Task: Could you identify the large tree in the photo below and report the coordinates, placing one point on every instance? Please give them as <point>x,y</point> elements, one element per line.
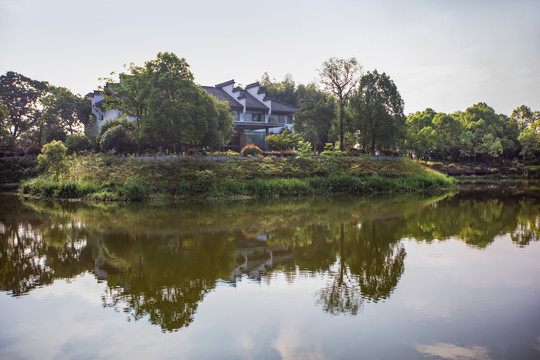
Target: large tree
<point>22,96</point>
<point>318,113</point>
<point>129,94</point>
<point>66,110</point>
<point>525,117</point>
<point>284,90</point>
<point>376,110</point>
<point>168,107</point>
<point>340,78</point>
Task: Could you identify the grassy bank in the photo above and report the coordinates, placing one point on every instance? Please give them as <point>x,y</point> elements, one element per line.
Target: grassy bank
<point>99,177</point>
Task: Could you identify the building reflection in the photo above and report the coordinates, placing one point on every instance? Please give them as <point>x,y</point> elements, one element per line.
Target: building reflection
<point>159,262</point>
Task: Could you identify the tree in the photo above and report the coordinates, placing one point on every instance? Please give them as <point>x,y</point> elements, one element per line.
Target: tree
<point>376,110</point>
<point>129,94</point>
<point>318,113</point>
<point>53,158</point>
<point>530,144</point>
<point>118,135</point>
<point>449,130</point>
<point>525,117</point>
<point>66,110</point>
<point>283,91</point>
<point>340,77</point>
<point>22,96</point>
<point>77,142</point>
<point>4,134</point>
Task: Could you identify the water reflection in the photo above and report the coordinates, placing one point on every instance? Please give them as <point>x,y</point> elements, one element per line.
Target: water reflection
<point>160,260</point>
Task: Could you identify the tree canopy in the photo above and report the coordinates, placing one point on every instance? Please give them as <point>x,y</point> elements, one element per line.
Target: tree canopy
<point>340,77</point>
<point>23,97</point>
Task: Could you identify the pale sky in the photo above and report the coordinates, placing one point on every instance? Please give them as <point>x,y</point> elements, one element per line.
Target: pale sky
<point>442,54</point>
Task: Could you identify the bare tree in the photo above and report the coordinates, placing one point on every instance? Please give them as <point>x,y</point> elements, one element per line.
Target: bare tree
<point>340,77</point>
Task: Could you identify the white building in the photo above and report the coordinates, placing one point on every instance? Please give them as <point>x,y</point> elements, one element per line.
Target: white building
<point>255,114</point>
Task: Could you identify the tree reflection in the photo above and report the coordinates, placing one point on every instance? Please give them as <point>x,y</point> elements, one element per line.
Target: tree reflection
<point>159,261</point>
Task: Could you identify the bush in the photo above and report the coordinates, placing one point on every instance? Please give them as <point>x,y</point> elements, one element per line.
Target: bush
<point>53,158</point>
<point>32,150</point>
<point>192,152</point>
<point>77,143</point>
<point>133,191</point>
<point>118,139</point>
<point>251,150</point>
<point>284,141</point>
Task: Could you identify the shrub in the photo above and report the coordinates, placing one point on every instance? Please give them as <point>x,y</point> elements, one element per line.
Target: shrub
<point>33,150</point>
<point>251,150</point>
<point>304,149</point>
<point>53,158</point>
<point>133,191</point>
<point>331,150</point>
<point>118,139</point>
<point>192,152</point>
<point>284,141</point>
<point>77,143</point>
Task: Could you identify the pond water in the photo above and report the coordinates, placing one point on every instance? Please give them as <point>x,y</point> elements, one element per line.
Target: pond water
<point>446,276</point>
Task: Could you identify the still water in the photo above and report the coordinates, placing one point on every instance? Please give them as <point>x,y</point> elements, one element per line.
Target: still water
<point>446,276</point>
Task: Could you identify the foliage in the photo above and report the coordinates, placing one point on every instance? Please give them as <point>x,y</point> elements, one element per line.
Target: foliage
<point>530,144</point>
<point>119,140</point>
<point>53,158</point>
<point>133,191</point>
<point>22,96</point>
<point>129,94</point>
<point>68,112</point>
<point>331,150</point>
<point>526,118</point>
<point>118,135</point>
<point>286,140</point>
<point>251,150</point>
<point>77,143</point>
<point>304,149</point>
<point>32,150</point>
<point>340,77</point>
<point>318,113</point>
<point>376,111</point>
<point>284,90</point>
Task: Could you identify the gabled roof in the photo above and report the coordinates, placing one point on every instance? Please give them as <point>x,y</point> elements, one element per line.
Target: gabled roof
<point>230,82</point>
<point>249,86</point>
<point>251,102</point>
<point>279,107</point>
<point>219,93</point>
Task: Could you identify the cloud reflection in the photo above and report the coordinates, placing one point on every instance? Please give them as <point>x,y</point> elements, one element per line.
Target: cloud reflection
<point>454,352</point>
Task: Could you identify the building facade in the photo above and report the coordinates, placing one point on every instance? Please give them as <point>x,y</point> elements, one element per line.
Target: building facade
<point>256,115</point>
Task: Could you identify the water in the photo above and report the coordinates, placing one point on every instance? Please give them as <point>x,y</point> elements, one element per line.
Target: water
<point>446,276</point>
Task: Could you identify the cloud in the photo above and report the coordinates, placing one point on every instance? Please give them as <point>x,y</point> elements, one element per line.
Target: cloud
<point>454,352</point>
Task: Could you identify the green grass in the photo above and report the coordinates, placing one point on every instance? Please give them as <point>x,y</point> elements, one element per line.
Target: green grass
<point>103,178</point>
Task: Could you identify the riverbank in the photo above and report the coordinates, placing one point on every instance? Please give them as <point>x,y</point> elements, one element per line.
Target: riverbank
<point>110,178</point>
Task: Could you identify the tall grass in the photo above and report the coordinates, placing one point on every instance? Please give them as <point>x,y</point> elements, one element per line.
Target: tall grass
<point>112,178</point>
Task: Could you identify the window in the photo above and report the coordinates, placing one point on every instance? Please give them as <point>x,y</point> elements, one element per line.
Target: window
<point>256,116</point>
<point>280,119</point>
<point>236,115</point>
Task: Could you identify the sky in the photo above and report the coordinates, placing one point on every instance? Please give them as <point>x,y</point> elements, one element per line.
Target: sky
<point>443,54</point>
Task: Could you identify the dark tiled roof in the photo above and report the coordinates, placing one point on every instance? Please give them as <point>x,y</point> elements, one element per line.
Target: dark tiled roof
<point>249,86</point>
<point>262,90</point>
<point>279,107</point>
<point>252,103</point>
<point>222,95</point>
<point>230,82</point>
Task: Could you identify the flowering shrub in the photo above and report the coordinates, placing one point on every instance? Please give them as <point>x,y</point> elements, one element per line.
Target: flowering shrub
<point>192,152</point>
<point>251,150</point>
